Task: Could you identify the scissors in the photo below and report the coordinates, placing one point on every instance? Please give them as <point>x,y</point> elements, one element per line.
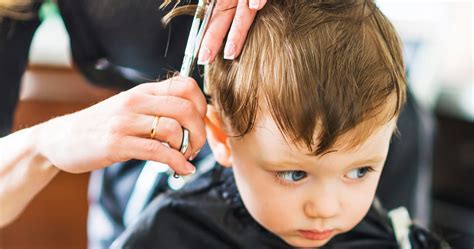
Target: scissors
<point>150,174</point>
<point>196,35</point>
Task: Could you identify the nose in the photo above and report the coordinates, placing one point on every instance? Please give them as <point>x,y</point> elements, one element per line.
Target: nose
<point>324,204</point>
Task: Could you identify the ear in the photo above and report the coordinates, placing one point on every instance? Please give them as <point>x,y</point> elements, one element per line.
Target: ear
<point>217,137</point>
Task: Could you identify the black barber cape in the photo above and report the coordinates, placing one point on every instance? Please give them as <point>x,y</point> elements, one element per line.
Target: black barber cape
<point>208,213</point>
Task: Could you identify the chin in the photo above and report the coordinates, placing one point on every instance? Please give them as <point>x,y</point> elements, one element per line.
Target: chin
<point>299,242</point>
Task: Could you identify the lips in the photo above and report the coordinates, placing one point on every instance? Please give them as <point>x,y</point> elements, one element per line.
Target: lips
<point>315,234</point>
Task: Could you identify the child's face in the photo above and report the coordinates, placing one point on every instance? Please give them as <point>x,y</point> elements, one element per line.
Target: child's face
<point>305,200</point>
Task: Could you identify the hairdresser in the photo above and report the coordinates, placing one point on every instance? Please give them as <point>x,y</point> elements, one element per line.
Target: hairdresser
<point>122,44</point>
<point>131,125</point>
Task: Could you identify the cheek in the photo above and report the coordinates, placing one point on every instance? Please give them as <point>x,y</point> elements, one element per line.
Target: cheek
<point>358,202</point>
<point>263,198</point>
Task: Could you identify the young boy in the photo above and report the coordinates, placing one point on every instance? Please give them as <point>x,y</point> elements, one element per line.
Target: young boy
<point>302,122</point>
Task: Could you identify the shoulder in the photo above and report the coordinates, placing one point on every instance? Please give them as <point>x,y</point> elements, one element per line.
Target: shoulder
<point>206,213</point>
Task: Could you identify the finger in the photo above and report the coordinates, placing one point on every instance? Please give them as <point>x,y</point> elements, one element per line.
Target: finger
<point>243,19</point>
<point>257,4</point>
<point>182,110</point>
<point>217,29</point>
<point>179,86</point>
<point>170,131</point>
<point>148,149</point>
<point>167,130</point>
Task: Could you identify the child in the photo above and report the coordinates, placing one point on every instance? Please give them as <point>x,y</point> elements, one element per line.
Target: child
<point>301,123</point>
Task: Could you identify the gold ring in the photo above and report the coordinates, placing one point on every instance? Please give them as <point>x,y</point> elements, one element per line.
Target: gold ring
<point>153,127</point>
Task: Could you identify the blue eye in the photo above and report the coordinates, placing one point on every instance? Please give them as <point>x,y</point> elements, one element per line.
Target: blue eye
<point>359,172</point>
<point>292,175</point>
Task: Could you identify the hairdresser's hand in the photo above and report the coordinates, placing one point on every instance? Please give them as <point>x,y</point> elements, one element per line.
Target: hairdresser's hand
<point>118,129</point>
<point>235,17</point>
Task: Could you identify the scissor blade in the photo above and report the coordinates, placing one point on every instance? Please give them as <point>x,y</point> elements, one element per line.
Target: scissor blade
<point>195,37</point>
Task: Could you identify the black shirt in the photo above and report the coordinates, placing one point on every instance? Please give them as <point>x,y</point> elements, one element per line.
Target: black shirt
<point>209,213</point>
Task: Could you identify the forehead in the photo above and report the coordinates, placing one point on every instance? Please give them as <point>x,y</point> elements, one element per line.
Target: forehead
<point>266,143</point>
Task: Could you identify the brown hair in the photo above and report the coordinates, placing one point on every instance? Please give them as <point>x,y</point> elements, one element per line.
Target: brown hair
<point>331,65</point>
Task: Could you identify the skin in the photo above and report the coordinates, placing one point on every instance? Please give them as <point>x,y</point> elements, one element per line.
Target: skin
<point>114,130</point>
<point>232,18</point>
<point>333,194</point>
<point>118,129</point>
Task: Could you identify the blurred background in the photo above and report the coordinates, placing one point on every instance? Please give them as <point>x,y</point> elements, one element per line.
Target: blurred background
<point>438,47</point>
<point>438,40</point>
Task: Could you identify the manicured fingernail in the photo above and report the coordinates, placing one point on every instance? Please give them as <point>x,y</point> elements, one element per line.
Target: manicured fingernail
<point>190,168</point>
<point>229,51</point>
<point>197,152</point>
<point>254,4</point>
<point>194,156</point>
<point>204,56</point>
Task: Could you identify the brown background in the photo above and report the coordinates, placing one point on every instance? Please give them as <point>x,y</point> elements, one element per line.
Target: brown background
<point>57,217</point>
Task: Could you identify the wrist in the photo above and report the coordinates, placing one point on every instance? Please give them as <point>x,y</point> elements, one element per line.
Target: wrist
<point>24,172</point>
<point>38,147</point>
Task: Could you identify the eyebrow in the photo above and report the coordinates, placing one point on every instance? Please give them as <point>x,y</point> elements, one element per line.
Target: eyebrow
<point>366,162</point>
<point>361,162</point>
<point>282,164</point>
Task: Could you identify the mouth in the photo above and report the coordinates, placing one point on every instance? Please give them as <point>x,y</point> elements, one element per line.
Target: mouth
<point>316,234</point>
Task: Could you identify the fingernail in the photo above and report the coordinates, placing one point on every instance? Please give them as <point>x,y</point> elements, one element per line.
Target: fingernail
<point>196,153</point>
<point>190,168</point>
<point>229,51</point>
<point>204,56</point>
<point>194,156</point>
<point>254,4</point>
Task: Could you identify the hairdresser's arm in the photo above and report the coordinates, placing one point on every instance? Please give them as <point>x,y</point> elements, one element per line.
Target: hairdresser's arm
<point>115,130</point>
<point>233,17</point>
<point>23,173</point>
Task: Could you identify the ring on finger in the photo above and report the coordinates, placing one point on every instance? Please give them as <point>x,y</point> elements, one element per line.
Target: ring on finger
<point>153,127</point>
<point>184,146</point>
<point>185,142</point>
